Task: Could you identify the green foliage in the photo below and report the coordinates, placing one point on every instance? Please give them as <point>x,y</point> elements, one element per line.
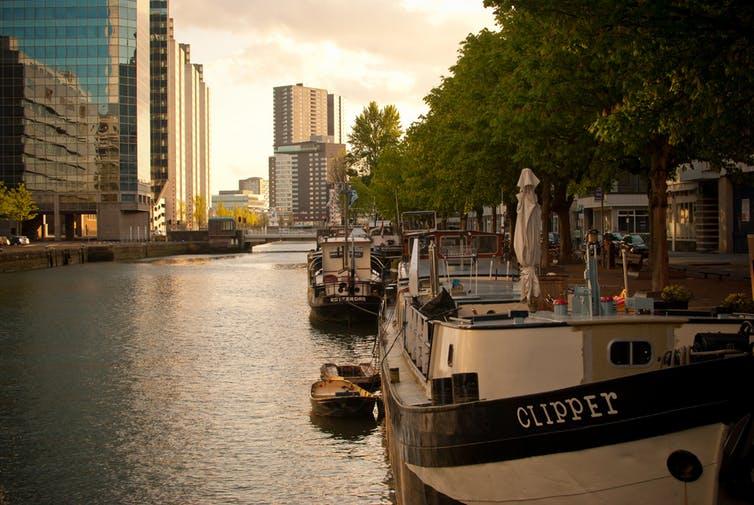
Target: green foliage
<point>676,293</point>
<point>673,83</point>
<point>373,131</point>
<point>738,302</point>
<point>244,216</point>
<point>3,201</point>
<point>17,204</point>
<point>221,211</point>
<point>200,211</point>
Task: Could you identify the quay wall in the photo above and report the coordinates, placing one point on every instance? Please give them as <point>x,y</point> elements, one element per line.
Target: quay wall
<point>20,258</point>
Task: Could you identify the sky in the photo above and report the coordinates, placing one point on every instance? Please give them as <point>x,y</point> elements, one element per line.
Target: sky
<point>389,51</point>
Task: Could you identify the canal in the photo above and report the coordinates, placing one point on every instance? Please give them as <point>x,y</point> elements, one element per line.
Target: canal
<point>183,380</point>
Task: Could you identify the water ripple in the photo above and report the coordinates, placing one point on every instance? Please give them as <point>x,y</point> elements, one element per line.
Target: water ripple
<point>176,382</point>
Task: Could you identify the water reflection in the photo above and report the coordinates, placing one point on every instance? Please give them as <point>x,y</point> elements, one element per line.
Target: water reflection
<point>347,429</point>
<point>175,383</point>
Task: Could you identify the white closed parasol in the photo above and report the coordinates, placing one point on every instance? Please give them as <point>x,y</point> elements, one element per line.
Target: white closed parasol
<point>526,240</point>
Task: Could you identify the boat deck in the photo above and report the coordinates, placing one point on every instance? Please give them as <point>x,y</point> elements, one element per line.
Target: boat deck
<point>410,390</point>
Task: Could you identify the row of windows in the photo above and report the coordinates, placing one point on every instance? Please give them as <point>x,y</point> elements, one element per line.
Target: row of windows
<point>11,12</point>
<point>40,35</point>
<point>57,56</point>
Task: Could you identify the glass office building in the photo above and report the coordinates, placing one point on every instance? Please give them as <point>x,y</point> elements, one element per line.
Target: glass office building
<point>159,22</point>
<point>75,112</point>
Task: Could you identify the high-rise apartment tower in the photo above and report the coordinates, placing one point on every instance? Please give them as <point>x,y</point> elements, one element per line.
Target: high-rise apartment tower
<point>302,114</point>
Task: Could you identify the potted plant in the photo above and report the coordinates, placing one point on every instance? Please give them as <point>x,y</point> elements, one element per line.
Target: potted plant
<point>674,297</point>
<point>736,302</point>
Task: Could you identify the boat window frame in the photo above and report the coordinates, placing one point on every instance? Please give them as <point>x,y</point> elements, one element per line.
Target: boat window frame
<point>631,363</point>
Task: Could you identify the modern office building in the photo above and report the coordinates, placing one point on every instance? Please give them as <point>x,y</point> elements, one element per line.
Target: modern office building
<point>196,129</point>
<point>335,119</point>
<point>161,33</point>
<point>180,125</point>
<point>299,188</point>
<point>74,114</point>
<point>256,185</point>
<point>234,199</point>
<point>251,194</point>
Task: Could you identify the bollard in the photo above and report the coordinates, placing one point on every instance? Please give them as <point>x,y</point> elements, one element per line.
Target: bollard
<point>442,391</point>
<point>465,387</point>
<point>750,239</point>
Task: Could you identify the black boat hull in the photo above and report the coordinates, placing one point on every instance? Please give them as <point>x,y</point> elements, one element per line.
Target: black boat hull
<point>691,406</point>
<point>349,406</point>
<point>363,308</point>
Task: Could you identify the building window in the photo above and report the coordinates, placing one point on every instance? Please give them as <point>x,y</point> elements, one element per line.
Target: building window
<point>633,221</point>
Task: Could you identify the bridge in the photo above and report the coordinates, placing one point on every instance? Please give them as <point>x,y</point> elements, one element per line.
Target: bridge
<point>257,235</point>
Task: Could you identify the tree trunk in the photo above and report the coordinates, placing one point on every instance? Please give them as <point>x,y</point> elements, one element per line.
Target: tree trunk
<point>658,208</point>
<point>494,220</point>
<point>561,204</point>
<point>546,215</point>
<point>480,218</point>
<point>564,229</point>
<point>511,212</point>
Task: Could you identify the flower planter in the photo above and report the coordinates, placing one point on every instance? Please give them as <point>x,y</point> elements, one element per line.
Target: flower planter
<point>671,305</point>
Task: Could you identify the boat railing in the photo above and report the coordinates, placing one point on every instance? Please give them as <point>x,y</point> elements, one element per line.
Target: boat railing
<point>417,338</point>
<point>360,288</point>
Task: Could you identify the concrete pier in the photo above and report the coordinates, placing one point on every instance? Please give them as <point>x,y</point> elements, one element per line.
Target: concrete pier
<point>21,258</point>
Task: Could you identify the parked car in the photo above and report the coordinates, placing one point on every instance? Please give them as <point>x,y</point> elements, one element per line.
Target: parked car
<point>19,240</point>
<point>553,243</point>
<point>4,241</point>
<point>636,244</point>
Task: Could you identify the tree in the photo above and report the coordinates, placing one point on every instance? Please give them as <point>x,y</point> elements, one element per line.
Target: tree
<point>17,204</point>
<point>676,80</point>
<point>373,130</point>
<point>221,211</point>
<point>3,201</point>
<point>200,211</point>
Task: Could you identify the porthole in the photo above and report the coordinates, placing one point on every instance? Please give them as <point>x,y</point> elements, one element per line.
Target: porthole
<point>630,352</point>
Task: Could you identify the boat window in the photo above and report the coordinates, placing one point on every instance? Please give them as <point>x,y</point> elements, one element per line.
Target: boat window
<point>630,353</point>
<point>450,355</point>
<point>485,244</point>
<point>451,245</point>
<point>641,353</point>
<point>337,253</point>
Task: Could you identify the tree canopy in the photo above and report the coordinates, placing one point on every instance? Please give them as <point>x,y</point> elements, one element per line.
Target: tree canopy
<point>374,130</point>
<point>17,204</point>
<point>580,92</point>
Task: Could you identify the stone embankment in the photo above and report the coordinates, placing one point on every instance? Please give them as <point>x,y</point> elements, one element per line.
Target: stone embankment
<point>21,258</point>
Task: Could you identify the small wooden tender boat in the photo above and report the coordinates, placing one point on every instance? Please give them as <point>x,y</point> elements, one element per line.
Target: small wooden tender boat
<point>363,375</point>
<point>340,398</point>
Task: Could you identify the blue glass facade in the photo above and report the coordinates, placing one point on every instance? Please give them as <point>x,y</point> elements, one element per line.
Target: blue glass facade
<point>74,102</point>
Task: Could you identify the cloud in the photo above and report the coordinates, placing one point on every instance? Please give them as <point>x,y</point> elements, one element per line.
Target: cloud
<point>390,51</point>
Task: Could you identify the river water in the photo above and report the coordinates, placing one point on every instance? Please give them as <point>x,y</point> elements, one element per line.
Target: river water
<point>179,381</point>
